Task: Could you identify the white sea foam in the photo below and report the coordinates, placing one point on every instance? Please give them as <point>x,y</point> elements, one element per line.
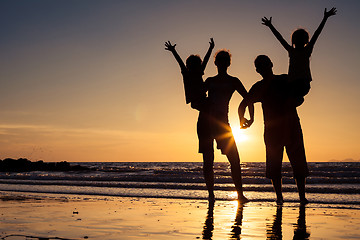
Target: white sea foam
<point>329,183</point>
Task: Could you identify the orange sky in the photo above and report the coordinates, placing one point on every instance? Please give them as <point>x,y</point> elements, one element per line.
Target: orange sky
<point>91,81</point>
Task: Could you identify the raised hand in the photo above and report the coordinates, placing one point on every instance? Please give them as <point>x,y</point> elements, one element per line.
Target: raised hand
<point>212,44</point>
<point>329,13</point>
<point>169,46</point>
<point>266,21</point>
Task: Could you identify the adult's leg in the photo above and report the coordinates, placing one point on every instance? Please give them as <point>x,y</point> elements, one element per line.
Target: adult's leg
<point>234,159</point>
<point>296,153</point>
<point>208,171</point>
<point>300,183</point>
<point>277,184</point>
<point>274,155</point>
<point>206,147</point>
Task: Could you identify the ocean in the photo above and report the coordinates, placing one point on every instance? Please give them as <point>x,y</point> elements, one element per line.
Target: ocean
<point>330,184</point>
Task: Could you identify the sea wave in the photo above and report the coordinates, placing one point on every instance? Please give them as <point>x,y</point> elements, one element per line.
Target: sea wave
<point>328,183</point>
<point>316,188</point>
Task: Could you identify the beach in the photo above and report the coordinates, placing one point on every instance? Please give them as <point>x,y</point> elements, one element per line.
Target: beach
<point>150,200</point>
<point>54,216</point>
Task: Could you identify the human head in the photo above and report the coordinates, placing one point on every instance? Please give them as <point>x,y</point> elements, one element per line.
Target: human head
<point>300,37</point>
<point>193,63</point>
<point>263,64</point>
<point>223,58</point>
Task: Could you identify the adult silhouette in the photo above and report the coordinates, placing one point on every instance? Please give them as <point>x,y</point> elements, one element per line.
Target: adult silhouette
<point>282,126</point>
<point>220,90</point>
<point>195,93</point>
<point>213,123</point>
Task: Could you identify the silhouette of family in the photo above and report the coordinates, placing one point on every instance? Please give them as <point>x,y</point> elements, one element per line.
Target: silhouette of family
<point>279,95</point>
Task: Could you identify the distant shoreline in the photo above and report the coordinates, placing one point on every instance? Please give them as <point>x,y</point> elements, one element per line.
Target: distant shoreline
<point>25,165</point>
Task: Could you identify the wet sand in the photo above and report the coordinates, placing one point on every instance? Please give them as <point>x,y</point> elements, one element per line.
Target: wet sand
<point>37,216</point>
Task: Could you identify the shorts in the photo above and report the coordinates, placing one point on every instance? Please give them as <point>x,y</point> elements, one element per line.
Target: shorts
<point>289,137</point>
<point>209,129</point>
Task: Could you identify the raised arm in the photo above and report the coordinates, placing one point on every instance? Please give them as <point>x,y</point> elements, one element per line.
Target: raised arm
<point>267,22</point>
<point>327,14</point>
<point>171,48</point>
<point>208,54</point>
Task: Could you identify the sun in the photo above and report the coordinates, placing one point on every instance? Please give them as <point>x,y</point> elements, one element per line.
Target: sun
<point>239,134</point>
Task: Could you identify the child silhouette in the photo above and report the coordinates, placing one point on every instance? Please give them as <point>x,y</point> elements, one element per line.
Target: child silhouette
<point>299,55</point>
<point>195,92</point>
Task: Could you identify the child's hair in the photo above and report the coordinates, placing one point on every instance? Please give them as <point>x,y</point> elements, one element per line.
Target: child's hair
<point>223,57</point>
<point>262,62</point>
<point>193,62</point>
<point>300,36</point>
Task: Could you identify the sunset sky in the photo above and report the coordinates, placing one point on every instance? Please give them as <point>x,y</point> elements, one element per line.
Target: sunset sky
<point>91,81</point>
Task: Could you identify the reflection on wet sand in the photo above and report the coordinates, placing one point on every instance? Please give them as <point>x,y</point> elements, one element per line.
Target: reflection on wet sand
<point>300,231</point>
<point>277,228</point>
<point>209,223</point>
<point>236,228</point>
<point>274,230</point>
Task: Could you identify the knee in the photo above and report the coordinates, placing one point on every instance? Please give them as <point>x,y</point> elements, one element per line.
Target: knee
<point>208,168</point>
<point>208,157</point>
<point>276,180</point>
<point>233,156</point>
<point>235,165</point>
<point>300,179</point>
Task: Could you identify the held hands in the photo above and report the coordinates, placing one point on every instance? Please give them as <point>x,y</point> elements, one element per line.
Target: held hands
<point>169,47</point>
<point>245,123</point>
<point>212,44</point>
<point>329,13</point>
<point>266,21</point>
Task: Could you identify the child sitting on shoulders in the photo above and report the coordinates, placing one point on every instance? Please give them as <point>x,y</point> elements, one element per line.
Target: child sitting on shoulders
<point>299,55</point>
<point>192,72</point>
